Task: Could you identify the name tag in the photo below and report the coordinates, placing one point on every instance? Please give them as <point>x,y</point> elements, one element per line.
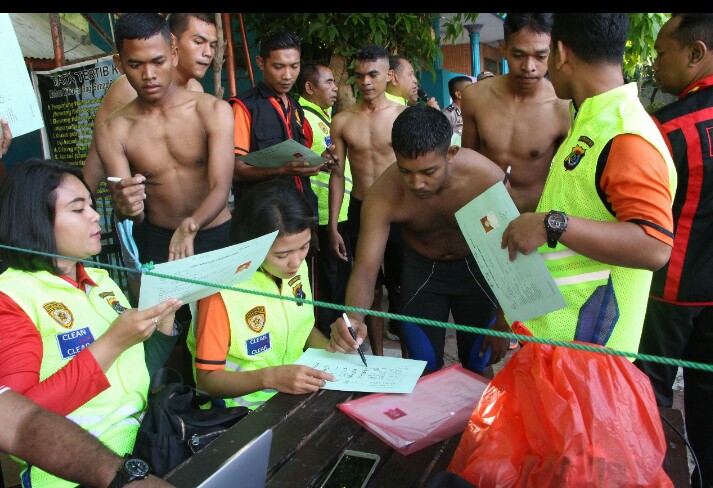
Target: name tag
<point>258,344</point>
<point>72,342</point>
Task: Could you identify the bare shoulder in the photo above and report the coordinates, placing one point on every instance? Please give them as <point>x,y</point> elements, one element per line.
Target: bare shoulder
<point>558,106</point>
<point>121,116</point>
<point>195,85</point>
<point>207,104</point>
<point>468,162</point>
<point>118,95</point>
<point>479,93</point>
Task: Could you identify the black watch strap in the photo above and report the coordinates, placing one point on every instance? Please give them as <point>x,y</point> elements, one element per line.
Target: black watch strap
<point>131,469</point>
<point>555,224</point>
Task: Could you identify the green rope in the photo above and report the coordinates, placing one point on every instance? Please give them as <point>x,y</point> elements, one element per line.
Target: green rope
<point>146,269</point>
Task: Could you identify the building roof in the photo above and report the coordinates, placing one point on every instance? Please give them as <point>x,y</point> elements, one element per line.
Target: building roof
<point>34,35</point>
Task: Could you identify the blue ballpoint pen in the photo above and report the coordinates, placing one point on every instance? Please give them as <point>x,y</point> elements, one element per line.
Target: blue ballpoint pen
<point>351,331</point>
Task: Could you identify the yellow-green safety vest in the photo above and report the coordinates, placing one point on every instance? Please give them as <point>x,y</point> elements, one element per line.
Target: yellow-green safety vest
<point>605,303</point>
<point>68,320</point>
<point>320,121</point>
<point>264,331</point>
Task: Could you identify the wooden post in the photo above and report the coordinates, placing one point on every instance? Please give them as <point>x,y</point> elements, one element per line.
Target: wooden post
<point>57,41</point>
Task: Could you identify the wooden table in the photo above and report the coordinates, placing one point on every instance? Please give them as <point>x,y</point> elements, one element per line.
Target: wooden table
<point>309,434</point>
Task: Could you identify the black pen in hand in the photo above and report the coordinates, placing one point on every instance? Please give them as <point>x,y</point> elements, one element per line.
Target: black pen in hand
<point>351,331</point>
<point>507,175</point>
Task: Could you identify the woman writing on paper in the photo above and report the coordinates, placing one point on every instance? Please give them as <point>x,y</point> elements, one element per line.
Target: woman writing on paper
<point>69,342</point>
<point>244,345</point>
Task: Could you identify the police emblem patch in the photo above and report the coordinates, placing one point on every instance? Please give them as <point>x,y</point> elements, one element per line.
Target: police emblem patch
<point>575,157</point>
<point>299,293</point>
<point>113,302</point>
<point>60,313</point>
<point>323,127</point>
<point>255,318</point>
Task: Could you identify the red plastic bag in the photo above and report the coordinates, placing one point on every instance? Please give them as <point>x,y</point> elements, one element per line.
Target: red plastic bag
<point>556,416</point>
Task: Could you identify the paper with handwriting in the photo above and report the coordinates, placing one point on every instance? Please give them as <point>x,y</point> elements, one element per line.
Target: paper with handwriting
<point>18,103</point>
<point>524,287</point>
<point>383,374</point>
<point>228,266</point>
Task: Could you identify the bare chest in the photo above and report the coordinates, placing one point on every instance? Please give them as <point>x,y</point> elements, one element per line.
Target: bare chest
<point>519,134</point>
<point>173,138</point>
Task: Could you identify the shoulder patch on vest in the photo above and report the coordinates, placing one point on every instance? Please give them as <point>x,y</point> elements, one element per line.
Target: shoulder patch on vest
<point>577,153</point>
<point>255,318</point>
<point>60,312</point>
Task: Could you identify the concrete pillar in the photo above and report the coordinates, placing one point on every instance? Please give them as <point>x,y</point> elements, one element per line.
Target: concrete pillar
<point>438,62</point>
<point>474,32</point>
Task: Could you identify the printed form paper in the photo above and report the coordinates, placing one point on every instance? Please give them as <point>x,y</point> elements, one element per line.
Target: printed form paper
<point>384,374</point>
<point>279,154</point>
<point>524,287</point>
<point>227,266</point>
<point>18,103</point>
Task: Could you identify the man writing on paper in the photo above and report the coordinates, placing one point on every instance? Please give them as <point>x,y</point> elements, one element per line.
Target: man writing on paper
<point>180,137</point>
<point>429,182</point>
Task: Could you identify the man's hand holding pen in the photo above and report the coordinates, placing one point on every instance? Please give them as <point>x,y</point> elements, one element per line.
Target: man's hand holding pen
<point>128,195</point>
<point>341,340</point>
<point>332,160</point>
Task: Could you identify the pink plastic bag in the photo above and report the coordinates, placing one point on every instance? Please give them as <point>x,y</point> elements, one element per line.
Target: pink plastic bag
<point>438,408</point>
<point>556,416</point>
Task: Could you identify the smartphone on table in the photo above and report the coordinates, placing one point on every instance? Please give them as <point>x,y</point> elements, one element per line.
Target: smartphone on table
<point>353,470</point>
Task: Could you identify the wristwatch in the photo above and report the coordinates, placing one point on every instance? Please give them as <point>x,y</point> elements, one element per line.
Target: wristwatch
<point>131,469</point>
<point>555,225</point>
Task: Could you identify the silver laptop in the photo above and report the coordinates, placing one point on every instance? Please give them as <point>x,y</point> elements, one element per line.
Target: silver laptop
<point>246,468</point>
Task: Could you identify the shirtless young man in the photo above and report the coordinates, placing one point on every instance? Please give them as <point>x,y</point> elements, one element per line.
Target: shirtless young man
<point>422,191</point>
<point>363,133</point>
<point>181,139</point>
<point>516,119</point>
<point>195,37</point>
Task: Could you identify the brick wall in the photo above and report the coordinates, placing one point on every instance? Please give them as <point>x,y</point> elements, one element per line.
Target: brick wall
<point>457,58</point>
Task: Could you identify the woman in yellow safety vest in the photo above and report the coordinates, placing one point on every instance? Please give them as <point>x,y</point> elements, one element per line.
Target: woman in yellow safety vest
<point>244,345</point>
<point>70,342</point>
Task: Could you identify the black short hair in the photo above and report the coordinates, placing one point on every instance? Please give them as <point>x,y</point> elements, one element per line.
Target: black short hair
<point>594,37</point>
<point>140,25</point>
<point>277,40</point>
<point>395,62</point>
<point>454,81</point>
<point>694,27</point>
<point>28,201</point>
<point>371,52</point>
<point>178,22</point>
<point>308,72</point>
<point>420,130</point>
<point>537,22</point>
<point>269,206</point>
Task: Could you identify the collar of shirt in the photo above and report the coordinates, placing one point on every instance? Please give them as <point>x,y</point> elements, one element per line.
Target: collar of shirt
<point>83,279</point>
<point>697,85</point>
<point>267,92</point>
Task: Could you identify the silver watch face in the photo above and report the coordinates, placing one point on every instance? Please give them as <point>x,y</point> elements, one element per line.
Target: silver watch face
<point>136,467</point>
<point>556,222</point>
